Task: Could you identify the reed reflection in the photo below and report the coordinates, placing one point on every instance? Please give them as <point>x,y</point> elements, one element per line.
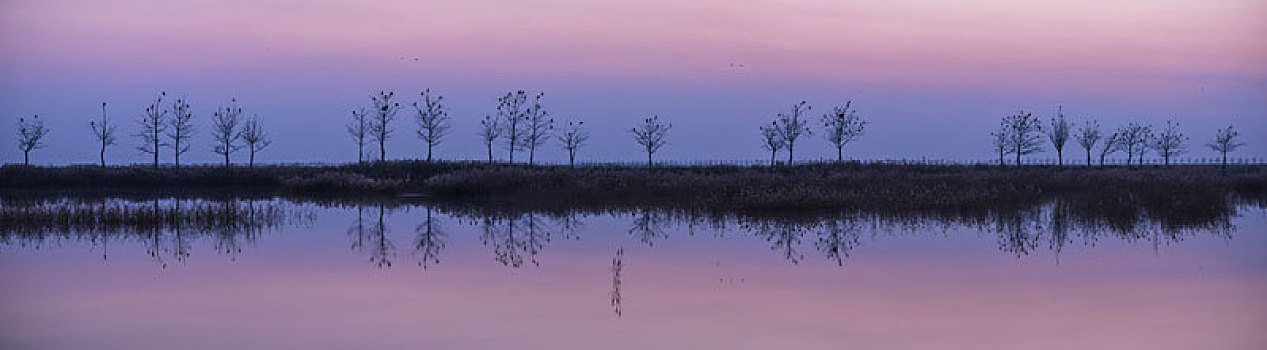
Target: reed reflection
<point>171,228</point>
<point>167,228</point>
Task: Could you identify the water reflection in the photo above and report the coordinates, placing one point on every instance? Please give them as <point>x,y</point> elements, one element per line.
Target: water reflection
<point>429,242</point>
<point>168,228</point>
<point>371,238</point>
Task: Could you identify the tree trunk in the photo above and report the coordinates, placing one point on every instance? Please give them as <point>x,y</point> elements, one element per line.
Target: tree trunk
<point>156,155</point>
<point>103,156</point>
<point>1018,157</point>
<point>26,157</point>
<point>772,154</point>
<point>531,151</point>
<point>251,163</point>
<point>490,153</point>
<point>1088,157</point>
<point>1102,159</point>
<point>226,155</point>
<point>789,154</point>
<point>1060,157</point>
<point>1167,159</point>
<point>382,150</point>
<point>428,152</point>
<point>648,159</point>
<point>511,159</point>
<point>1225,160</point>
<point>572,159</point>
<point>840,154</point>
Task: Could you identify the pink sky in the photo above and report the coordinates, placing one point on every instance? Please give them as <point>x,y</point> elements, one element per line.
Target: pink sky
<point>919,63</point>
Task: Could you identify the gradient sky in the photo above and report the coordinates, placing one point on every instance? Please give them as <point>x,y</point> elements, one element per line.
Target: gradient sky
<point>933,77</point>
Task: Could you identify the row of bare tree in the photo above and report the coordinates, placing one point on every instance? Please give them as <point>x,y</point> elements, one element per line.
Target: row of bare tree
<point>522,123</point>
<point>164,126</point>
<point>1024,134</point>
<point>842,125</point>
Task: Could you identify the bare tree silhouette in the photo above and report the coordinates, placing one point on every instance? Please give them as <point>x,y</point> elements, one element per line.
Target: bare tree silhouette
<point>538,126</point>
<point>1000,140</point>
<point>772,140</point>
<point>1225,142</point>
<point>380,125</point>
<point>574,136</point>
<point>1024,133</point>
<point>1169,142</point>
<point>651,135</point>
<point>104,131</point>
<point>153,125</point>
<point>511,112</point>
<point>254,137</point>
<point>359,129</point>
<point>1134,139</point>
<point>1113,143</point>
<point>432,119</point>
<point>180,127</point>
<point>1088,136</point>
<point>792,126</point>
<point>843,126</point>
<point>1058,134</point>
<point>490,131</point>
<point>31,135</point>
<point>224,129</point>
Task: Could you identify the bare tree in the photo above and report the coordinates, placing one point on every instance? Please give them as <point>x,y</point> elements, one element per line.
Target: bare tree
<point>1000,139</point>
<point>1225,142</point>
<point>1024,134</point>
<point>490,131</point>
<point>104,131</point>
<point>1058,134</point>
<point>1113,143</point>
<point>1169,142</point>
<point>511,111</point>
<point>772,140</point>
<point>843,126</point>
<point>224,129</point>
<point>1134,140</point>
<point>432,119</point>
<point>538,125</point>
<point>792,126</point>
<point>180,127</point>
<point>574,136</point>
<point>359,129</point>
<point>380,126</point>
<point>254,137</point>
<point>31,135</point>
<point>1088,136</point>
<point>651,135</point>
<point>153,125</point>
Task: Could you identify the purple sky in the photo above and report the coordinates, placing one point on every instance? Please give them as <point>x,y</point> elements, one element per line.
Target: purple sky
<point>932,77</point>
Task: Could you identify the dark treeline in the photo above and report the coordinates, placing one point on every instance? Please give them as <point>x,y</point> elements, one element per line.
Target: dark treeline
<point>522,123</point>
<point>518,234</point>
<point>823,187</point>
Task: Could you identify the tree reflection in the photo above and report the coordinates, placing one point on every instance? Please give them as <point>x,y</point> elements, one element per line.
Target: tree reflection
<point>515,237</point>
<point>649,226</point>
<point>429,241</point>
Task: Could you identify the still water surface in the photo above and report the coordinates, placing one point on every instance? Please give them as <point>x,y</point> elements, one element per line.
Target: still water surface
<point>412,276</point>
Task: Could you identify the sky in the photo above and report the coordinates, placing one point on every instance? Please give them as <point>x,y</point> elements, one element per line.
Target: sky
<point>932,77</point>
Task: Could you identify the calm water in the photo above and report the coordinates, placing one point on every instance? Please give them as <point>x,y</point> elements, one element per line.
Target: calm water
<point>310,276</point>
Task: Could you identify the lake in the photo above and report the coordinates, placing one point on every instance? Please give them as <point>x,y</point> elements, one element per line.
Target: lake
<point>216,273</point>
